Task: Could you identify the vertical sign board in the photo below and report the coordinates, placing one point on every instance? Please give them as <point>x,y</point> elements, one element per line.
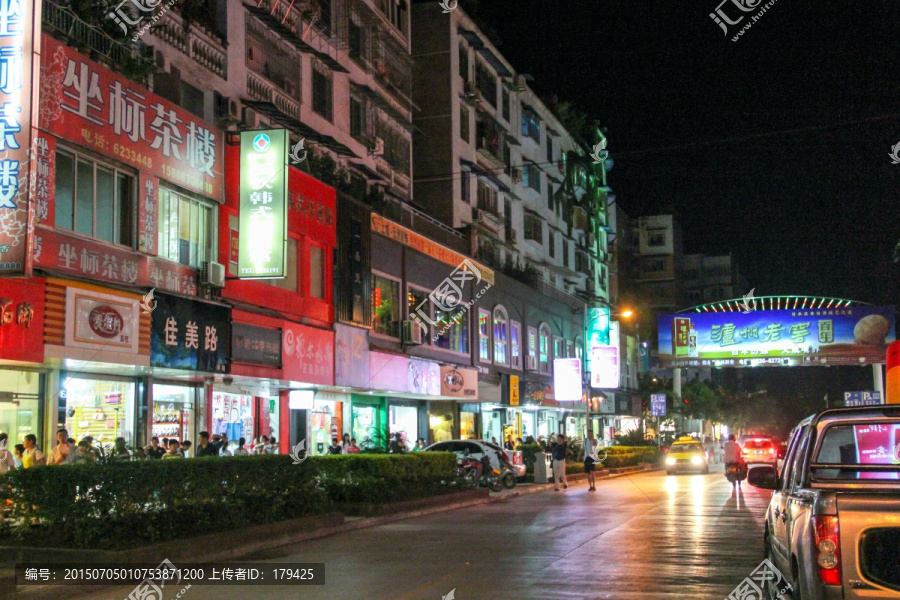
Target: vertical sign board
<point>262,252</point>
<point>658,405</point>
<point>567,379</point>
<point>16,56</point>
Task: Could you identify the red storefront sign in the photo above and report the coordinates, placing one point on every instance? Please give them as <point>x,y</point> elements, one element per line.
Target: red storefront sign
<point>22,319</point>
<point>88,104</point>
<point>307,354</point>
<point>68,254</point>
<point>312,207</point>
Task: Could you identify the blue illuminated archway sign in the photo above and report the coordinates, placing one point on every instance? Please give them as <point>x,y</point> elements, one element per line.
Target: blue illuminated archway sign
<point>262,248</point>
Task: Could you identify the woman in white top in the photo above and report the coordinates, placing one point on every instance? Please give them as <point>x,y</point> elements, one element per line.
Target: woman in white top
<point>7,460</point>
<point>240,450</point>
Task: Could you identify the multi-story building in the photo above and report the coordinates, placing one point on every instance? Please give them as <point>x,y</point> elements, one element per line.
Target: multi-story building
<point>711,278</point>
<point>656,244</point>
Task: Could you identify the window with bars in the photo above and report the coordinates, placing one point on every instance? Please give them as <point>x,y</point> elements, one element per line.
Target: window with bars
<point>486,82</point>
<point>94,199</point>
<point>531,176</point>
<point>464,61</point>
<point>269,58</point>
<point>505,102</point>
<point>531,125</point>
<point>515,348</point>
<point>323,93</point>
<point>487,197</point>
<point>464,123</point>
<point>501,336</point>
<point>396,146</point>
<point>359,118</point>
<point>484,335</point>
<point>534,228</point>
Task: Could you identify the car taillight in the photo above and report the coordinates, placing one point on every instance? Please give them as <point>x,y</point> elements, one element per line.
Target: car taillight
<point>828,550</point>
<point>771,450</point>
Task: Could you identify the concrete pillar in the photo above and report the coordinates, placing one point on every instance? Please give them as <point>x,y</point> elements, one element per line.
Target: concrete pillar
<point>676,382</point>
<point>878,380</point>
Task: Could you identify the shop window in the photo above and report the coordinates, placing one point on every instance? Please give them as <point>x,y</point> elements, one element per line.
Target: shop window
<point>419,306</point>
<point>405,421</point>
<point>515,347</point>
<point>365,425</point>
<point>385,306</point>
<point>440,422</point>
<point>570,350</point>
<point>501,337</point>
<point>464,123</point>
<point>186,228</point>
<point>323,93</point>
<point>534,228</point>
<point>579,348</point>
<point>452,330</point>
<point>94,199</point>
<point>21,417</point>
<point>532,343</point>
<point>102,408</point>
<point>289,281</point>
<point>544,348</point>
<point>359,121</point>
<point>467,425</point>
<point>484,335</point>
<point>559,348</point>
<point>505,101</point>
<point>316,272</point>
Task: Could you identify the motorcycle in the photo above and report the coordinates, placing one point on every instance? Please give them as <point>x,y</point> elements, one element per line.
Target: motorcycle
<point>507,473</point>
<point>736,472</point>
<point>490,477</point>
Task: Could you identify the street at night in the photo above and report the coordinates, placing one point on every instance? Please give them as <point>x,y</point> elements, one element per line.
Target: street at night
<point>637,537</point>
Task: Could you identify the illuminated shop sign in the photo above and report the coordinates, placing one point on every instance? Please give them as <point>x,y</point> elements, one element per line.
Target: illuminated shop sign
<point>262,251</point>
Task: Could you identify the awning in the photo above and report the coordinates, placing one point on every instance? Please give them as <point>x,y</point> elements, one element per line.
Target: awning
<point>494,61</point>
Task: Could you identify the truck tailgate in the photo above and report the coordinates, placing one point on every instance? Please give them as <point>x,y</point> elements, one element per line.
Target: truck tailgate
<point>870,544</point>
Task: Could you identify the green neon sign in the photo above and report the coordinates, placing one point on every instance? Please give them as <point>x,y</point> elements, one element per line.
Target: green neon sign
<point>262,253</point>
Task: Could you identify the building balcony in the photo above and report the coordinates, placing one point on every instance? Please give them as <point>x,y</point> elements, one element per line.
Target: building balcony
<point>263,90</point>
<point>201,47</point>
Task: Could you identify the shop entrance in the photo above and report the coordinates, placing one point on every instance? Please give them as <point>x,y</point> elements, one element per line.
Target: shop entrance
<point>173,412</point>
<point>405,421</point>
<point>20,400</point>
<point>101,408</point>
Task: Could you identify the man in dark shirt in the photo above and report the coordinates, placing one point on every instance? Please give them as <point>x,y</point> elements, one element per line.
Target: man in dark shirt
<point>558,449</point>
<point>154,450</point>
<point>207,448</point>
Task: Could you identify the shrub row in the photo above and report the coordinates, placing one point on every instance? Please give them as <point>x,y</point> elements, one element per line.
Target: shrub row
<point>127,504</point>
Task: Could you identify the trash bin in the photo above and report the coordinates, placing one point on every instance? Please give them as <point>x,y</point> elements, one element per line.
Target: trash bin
<point>543,467</point>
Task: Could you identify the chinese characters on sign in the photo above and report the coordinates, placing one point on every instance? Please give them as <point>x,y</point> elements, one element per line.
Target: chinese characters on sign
<point>22,319</point>
<point>263,196</point>
<point>308,354</point>
<point>658,405</point>
<point>847,335</point>
<point>255,345</point>
<point>103,321</point>
<point>111,114</point>
<point>188,334</point>
<point>15,132</point>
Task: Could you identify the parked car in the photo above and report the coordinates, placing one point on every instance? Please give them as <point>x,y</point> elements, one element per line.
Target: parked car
<point>477,449</point>
<point>831,526</point>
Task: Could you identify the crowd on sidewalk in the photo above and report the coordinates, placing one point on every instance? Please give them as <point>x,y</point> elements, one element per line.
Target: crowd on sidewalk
<point>66,451</point>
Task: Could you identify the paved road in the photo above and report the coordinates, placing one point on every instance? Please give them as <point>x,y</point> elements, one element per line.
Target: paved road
<point>642,537</point>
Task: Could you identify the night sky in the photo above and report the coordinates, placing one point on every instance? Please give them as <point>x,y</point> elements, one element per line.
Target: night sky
<point>774,147</point>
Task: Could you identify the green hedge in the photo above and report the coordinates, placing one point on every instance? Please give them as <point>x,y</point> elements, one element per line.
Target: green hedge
<point>616,456</point>
<point>128,504</point>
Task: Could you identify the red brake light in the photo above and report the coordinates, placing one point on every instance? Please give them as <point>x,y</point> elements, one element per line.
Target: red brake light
<point>828,550</point>
<point>771,450</point>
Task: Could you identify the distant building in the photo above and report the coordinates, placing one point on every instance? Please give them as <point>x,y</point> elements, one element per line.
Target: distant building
<point>711,278</point>
<point>657,246</point>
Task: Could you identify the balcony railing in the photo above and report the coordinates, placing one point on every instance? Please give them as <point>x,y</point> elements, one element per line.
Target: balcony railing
<point>200,47</point>
<point>261,89</point>
<point>64,23</point>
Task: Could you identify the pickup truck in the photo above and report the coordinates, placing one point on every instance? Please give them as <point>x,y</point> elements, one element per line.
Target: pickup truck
<point>833,523</point>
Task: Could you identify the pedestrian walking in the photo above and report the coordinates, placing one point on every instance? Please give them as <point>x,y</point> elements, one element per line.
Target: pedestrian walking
<point>206,447</point>
<point>590,460</point>
<point>240,450</point>
<point>335,447</point>
<point>558,449</point>
<point>62,452</point>
<point>7,458</point>
<point>32,456</point>
<point>345,443</point>
<point>153,449</point>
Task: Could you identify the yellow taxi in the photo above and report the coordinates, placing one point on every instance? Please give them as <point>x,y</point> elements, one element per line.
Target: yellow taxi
<point>687,454</point>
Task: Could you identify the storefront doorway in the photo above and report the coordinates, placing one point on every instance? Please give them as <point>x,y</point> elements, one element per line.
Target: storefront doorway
<point>20,402</point>
<point>492,424</point>
<point>232,415</point>
<point>174,411</point>
<point>324,424</point>
<point>364,425</point>
<point>405,421</point>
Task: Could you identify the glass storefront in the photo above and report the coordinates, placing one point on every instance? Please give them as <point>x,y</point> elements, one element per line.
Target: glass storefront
<point>364,424</point>
<point>101,408</point>
<point>529,424</point>
<point>173,412</point>
<point>20,393</point>
<point>492,424</point>
<point>440,421</point>
<point>466,425</point>
<point>575,425</point>
<point>405,421</point>
<point>323,425</point>
<point>548,423</point>
<point>232,415</point>
<point>271,405</point>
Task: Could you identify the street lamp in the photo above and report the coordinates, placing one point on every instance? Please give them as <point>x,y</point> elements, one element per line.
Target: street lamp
<point>602,312</point>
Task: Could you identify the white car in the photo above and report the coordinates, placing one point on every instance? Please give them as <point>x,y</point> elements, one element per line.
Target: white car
<point>477,449</point>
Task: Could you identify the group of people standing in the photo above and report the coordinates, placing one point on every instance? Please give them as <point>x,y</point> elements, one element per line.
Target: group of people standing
<point>715,449</point>
<point>66,451</point>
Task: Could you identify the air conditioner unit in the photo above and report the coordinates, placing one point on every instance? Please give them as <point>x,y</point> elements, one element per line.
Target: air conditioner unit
<point>519,83</point>
<point>530,363</point>
<point>412,333</point>
<point>227,109</point>
<point>516,174</point>
<point>250,118</point>
<point>377,148</point>
<point>212,274</point>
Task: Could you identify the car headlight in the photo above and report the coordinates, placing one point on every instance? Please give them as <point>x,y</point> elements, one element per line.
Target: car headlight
<point>670,461</point>
<point>697,460</point>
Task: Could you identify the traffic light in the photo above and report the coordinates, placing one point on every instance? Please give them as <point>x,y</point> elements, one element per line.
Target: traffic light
<point>686,401</point>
